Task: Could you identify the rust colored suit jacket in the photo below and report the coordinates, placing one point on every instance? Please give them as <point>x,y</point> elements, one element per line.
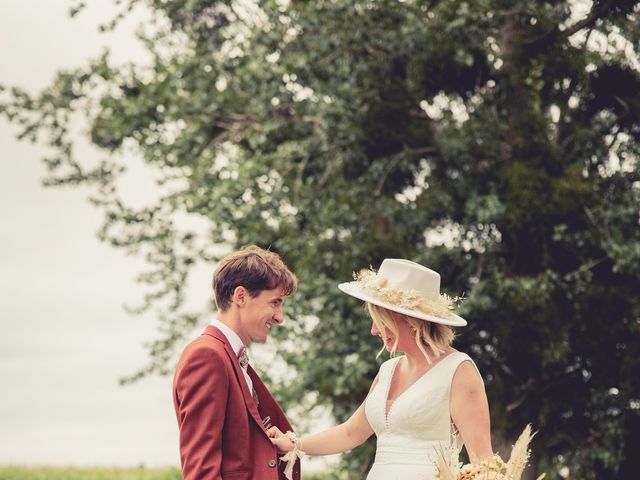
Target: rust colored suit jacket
<point>221,432</point>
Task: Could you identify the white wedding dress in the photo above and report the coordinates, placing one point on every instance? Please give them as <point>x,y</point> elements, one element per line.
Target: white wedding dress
<point>410,432</point>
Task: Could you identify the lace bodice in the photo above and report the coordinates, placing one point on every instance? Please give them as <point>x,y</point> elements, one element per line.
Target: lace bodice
<point>418,421</point>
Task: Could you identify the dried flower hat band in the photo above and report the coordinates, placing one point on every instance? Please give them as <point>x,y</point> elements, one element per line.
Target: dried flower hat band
<point>376,285</point>
<point>405,287</point>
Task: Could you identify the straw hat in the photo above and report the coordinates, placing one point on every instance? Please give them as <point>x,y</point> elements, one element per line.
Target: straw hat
<point>405,287</point>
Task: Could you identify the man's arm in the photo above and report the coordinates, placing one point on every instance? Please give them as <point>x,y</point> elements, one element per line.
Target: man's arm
<point>202,388</point>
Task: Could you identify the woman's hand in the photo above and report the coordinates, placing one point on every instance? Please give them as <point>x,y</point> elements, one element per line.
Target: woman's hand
<point>279,440</point>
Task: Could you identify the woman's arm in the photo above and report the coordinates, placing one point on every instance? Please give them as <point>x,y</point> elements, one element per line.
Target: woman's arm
<point>345,436</point>
<point>470,412</point>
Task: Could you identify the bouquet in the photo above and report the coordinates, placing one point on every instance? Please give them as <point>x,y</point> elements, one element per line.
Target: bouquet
<point>492,469</point>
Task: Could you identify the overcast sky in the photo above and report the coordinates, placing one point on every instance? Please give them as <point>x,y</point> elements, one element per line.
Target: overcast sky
<point>64,337</point>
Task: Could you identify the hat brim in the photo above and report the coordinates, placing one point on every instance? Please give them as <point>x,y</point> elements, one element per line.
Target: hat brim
<point>355,290</point>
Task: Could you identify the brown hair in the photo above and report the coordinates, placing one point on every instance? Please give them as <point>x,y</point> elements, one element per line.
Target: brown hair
<point>435,336</point>
<point>253,268</point>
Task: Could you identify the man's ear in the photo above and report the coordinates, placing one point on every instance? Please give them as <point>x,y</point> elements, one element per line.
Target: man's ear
<point>240,296</point>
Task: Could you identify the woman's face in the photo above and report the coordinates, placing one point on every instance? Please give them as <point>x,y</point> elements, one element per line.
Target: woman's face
<point>387,336</point>
<point>404,335</point>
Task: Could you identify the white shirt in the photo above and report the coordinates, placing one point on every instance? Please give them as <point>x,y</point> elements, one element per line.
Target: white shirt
<point>236,344</point>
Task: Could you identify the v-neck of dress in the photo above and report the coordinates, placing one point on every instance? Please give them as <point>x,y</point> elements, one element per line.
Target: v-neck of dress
<point>388,408</point>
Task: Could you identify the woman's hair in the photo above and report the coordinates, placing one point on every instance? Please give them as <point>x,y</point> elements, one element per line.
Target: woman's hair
<point>428,335</point>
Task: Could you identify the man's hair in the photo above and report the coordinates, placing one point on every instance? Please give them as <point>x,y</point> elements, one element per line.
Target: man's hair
<point>253,268</point>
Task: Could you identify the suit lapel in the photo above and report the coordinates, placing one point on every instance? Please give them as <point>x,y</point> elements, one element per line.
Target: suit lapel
<point>268,404</point>
<point>269,407</point>
<point>246,394</point>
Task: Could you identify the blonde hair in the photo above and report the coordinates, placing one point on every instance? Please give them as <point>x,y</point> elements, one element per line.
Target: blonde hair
<point>428,335</point>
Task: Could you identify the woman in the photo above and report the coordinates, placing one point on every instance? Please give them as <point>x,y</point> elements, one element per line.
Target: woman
<point>430,399</point>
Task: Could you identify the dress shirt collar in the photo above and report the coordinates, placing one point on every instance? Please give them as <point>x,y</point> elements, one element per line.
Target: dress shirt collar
<point>228,332</point>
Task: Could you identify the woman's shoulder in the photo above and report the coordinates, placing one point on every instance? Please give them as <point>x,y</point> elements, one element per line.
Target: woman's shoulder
<point>456,356</point>
<point>464,366</point>
<point>453,363</point>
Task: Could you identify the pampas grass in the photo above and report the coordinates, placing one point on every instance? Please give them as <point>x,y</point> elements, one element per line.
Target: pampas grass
<point>448,463</point>
<point>519,454</point>
<point>492,469</point>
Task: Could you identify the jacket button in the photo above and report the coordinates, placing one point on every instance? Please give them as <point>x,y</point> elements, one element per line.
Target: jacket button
<point>272,463</point>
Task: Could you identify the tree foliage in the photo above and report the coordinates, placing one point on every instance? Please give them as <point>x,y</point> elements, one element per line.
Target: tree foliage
<point>493,141</point>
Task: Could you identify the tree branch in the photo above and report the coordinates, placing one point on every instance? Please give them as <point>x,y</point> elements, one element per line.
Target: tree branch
<point>596,13</point>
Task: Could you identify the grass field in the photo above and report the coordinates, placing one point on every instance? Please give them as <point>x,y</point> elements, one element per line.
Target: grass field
<point>51,473</point>
<point>56,473</point>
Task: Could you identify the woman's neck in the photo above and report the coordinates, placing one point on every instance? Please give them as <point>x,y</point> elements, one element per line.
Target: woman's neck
<point>416,360</point>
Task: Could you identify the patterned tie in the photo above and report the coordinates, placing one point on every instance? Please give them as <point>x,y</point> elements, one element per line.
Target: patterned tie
<point>243,358</point>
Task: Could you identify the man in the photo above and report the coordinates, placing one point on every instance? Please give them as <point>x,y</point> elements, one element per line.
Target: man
<point>222,406</point>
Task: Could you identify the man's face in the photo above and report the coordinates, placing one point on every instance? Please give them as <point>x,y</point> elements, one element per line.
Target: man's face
<point>259,314</point>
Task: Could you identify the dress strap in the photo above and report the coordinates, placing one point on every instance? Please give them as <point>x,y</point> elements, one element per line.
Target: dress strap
<point>387,368</point>
<point>453,361</point>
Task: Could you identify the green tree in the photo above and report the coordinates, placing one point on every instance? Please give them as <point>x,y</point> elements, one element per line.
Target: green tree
<point>494,141</point>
